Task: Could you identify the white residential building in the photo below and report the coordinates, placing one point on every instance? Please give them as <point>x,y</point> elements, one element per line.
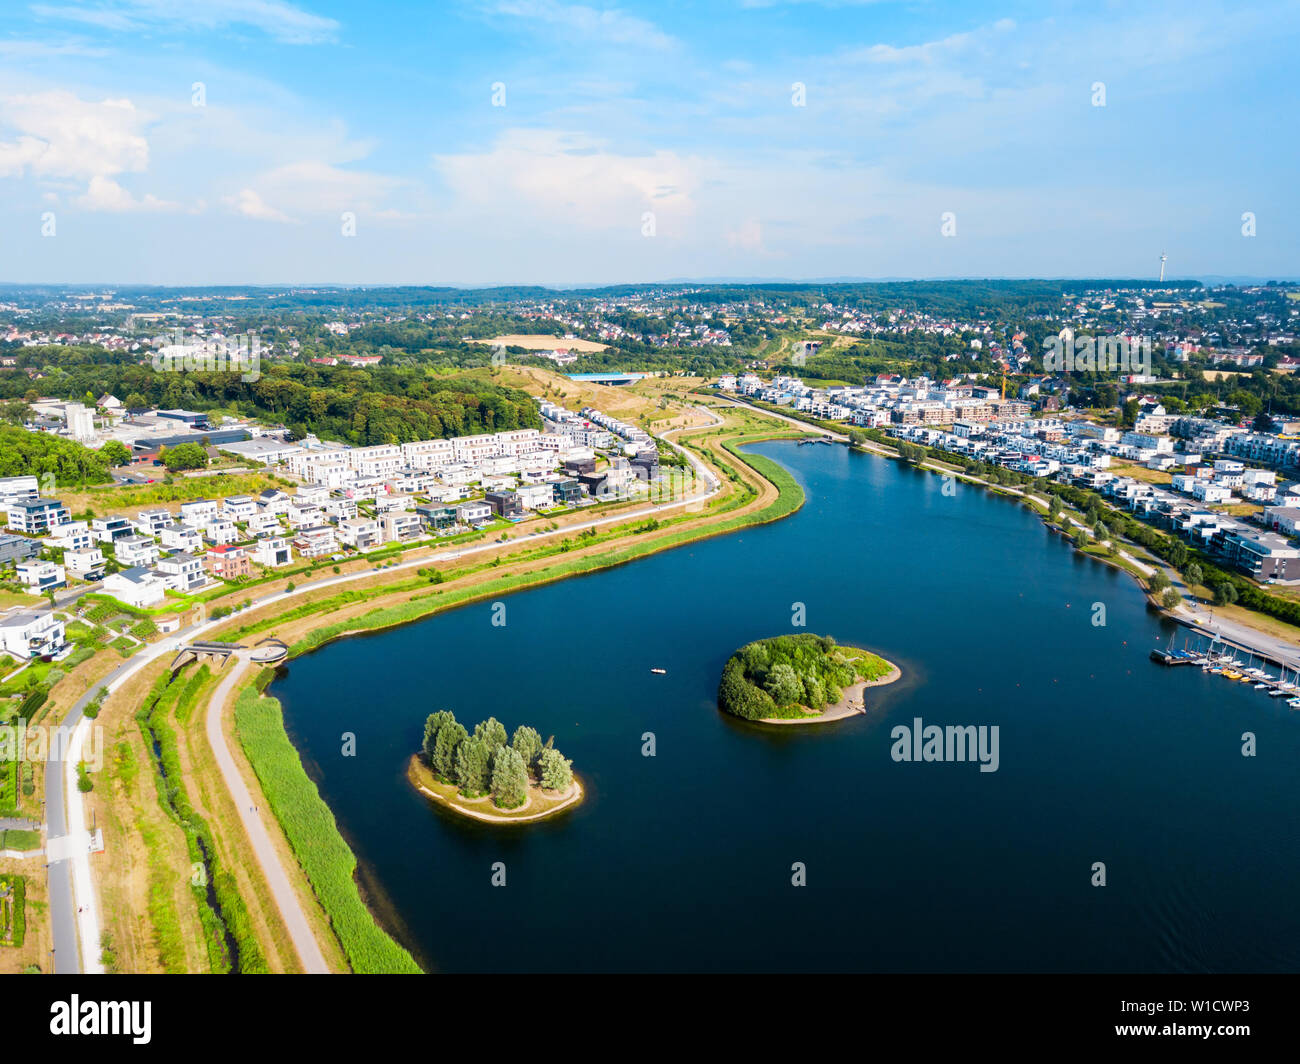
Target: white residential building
<point>136,550</point>
<point>85,564</point>
<point>181,537</point>
<point>183,572</point>
<point>272,551</point>
<point>139,587</point>
<point>41,576</point>
<point>31,634</point>
<point>362,533</point>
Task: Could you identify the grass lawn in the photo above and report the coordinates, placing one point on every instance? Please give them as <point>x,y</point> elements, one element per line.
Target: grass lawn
<point>17,839</point>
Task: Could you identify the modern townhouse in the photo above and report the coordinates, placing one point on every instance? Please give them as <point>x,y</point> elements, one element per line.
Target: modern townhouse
<point>437,518</point>
<point>329,468</point>
<point>472,450</point>
<point>238,508</point>
<point>152,522</point>
<point>310,495</point>
<point>138,586</point>
<point>1283,519</point>
<point>385,503</point>
<point>228,563</point>
<point>474,513</point>
<point>272,551</point>
<point>85,564</point>
<point>27,634</point>
<point>71,535</point>
<point>15,489</point>
<point>110,529</point>
<point>315,541</point>
<point>199,512</point>
<point>428,454</point>
<point>17,548</point>
<point>273,501</point>
<point>378,461</point>
<point>219,531</point>
<point>40,576</point>
<point>183,572</point>
<point>261,524</point>
<point>35,517</point>
<point>305,516</point>
<point>536,496</point>
<point>400,526</point>
<point>361,533</point>
<point>339,509</point>
<point>181,538</point>
<point>136,551</point>
<point>1261,555</point>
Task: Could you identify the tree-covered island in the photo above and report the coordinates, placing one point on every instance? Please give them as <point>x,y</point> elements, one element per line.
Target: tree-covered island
<point>794,679</point>
<point>489,775</point>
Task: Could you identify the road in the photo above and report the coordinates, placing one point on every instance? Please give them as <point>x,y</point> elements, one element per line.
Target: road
<point>73,905</point>
<point>286,899</point>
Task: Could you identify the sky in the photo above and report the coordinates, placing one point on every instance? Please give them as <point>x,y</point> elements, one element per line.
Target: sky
<point>480,142</point>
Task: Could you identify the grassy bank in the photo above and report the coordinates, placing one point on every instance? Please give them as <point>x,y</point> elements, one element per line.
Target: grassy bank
<point>313,834</point>
<point>230,941</point>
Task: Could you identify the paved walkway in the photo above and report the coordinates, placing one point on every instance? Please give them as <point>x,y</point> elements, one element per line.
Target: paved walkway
<point>286,900</point>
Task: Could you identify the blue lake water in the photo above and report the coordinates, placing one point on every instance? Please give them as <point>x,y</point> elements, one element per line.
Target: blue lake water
<point>682,861</point>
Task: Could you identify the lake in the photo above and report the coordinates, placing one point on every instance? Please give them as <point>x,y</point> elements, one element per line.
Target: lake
<point>683,861</point>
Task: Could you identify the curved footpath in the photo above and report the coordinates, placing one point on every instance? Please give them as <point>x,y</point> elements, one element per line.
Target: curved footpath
<point>73,904</point>
<point>286,900</point>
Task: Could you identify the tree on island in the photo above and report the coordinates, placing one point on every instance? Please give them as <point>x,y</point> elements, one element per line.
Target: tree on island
<point>448,743</point>
<point>483,763</point>
<point>527,742</point>
<point>432,725</point>
<point>556,772</point>
<point>472,759</point>
<point>783,685</point>
<point>492,732</point>
<point>787,675</point>
<point>509,779</point>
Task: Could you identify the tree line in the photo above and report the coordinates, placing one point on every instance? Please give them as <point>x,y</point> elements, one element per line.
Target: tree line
<point>486,762</point>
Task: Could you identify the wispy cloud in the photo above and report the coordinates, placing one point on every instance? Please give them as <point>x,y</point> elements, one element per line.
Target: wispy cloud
<point>283,21</point>
<point>610,25</point>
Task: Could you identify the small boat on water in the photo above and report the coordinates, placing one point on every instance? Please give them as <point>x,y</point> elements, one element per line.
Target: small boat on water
<point>659,672</point>
<point>1294,703</point>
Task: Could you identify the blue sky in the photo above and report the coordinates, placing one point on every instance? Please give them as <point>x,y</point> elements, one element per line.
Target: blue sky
<point>686,112</point>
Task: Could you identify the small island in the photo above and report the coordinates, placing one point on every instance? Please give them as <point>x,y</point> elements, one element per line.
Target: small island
<point>800,679</point>
<point>488,777</point>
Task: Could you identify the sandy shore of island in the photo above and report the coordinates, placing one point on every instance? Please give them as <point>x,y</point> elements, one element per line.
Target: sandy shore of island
<point>851,703</point>
<point>490,814</point>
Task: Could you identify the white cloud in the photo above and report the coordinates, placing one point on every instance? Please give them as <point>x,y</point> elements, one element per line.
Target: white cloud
<point>571,178</point>
<point>315,187</point>
<point>283,21</point>
<point>57,135</point>
<point>105,194</point>
<point>251,205</point>
<point>610,25</point>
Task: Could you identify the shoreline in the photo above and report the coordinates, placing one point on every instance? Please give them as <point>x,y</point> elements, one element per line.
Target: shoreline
<point>1261,641</point>
<point>851,704</point>
<point>415,769</point>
